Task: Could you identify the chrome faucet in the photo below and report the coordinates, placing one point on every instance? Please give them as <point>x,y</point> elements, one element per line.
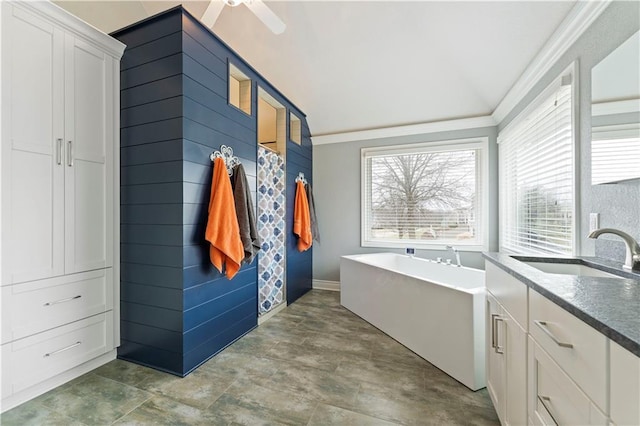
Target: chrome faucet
<point>632,261</point>
<point>455,251</point>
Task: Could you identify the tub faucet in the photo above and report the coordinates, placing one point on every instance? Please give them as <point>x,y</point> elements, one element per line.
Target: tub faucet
<point>455,251</point>
<point>632,261</point>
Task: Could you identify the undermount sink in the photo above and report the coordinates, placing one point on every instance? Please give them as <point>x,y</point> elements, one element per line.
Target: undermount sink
<point>570,269</point>
<point>576,268</point>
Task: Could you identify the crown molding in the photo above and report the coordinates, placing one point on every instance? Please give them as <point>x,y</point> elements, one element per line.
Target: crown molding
<point>572,27</point>
<point>408,130</point>
<point>75,25</point>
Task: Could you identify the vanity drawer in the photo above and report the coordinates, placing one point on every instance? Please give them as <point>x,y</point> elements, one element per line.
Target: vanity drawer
<point>34,359</point>
<point>554,399</point>
<point>33,307</point>
<point>577,348</point>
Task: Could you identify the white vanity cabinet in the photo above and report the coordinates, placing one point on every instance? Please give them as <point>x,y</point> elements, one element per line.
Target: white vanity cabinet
<point>506,345</point>
<point>625,386</point>
<point>60,194</point>
<point>567,367</point>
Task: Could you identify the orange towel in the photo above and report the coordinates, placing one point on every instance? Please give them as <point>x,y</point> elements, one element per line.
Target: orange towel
<point>223,231</point>
<point>302,219</point>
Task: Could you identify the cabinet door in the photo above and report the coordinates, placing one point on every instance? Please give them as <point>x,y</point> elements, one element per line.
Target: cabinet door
<point>88,159</point>
<point>496,381</point>
<point>625,386</point>
<point>32,169</point>
<point>516,372</point>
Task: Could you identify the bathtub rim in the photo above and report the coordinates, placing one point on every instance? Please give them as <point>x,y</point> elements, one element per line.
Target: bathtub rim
<point>480,289</point>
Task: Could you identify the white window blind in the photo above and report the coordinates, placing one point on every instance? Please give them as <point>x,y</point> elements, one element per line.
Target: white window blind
<point>615,153</point>
<point>536,163</point>
<point>423,195</point>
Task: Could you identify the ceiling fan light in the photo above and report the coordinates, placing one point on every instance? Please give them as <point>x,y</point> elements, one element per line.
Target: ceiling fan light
<point>233,3</point>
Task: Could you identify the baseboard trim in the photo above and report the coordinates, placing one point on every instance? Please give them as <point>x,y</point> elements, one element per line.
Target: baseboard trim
<point>266,316</point>
<point>326,285</point>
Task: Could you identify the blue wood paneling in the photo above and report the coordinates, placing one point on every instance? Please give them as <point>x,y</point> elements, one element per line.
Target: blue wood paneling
<point>150,29</point>
<point>155,316</point>
<point>155,337</point>
<point>151,112</point>
<point>177,309</point>
<point>171,362</point>
<point>168,171</point>
<point>152,51</point>
<point>204,319</point>
<point>152,275</point>
<point>150,92</point>
<point>148,254</point>
<point>152,295</point>
<point>162,235</point>
<point>152,193</point>
<point>218,342</point>
<point>158,152</point>
<point>151,132</point>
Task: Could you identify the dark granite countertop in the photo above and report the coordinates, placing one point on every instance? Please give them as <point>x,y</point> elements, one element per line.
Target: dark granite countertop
<point>610,305</point>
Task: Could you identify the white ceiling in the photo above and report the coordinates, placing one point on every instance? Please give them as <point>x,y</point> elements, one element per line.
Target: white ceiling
<point>373,64</point>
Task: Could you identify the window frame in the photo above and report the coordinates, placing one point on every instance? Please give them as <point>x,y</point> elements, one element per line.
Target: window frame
<point>571,73</point>
<point>481,144</point>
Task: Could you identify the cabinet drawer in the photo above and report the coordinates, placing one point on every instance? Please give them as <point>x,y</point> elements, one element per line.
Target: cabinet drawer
<point>554,398</point>
<point>579,349</point>
<point>508,291</point>
<point>34,359</point>
<point>33,307</point>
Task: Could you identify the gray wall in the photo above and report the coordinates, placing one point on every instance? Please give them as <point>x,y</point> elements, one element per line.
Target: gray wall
<point>618,204</point>
<point>336,178</point>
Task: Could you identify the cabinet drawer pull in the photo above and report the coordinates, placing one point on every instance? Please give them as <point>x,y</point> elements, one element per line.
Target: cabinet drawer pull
<point>68,299</point>
<point>78,343</point>
<point>59,151</point>
<point>499,349</point>
<point>543,327</point>
<point>70,153</point>
<point>543,400</point>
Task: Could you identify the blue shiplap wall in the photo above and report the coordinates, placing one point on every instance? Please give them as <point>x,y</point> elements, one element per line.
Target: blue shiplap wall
<point>177,310</point>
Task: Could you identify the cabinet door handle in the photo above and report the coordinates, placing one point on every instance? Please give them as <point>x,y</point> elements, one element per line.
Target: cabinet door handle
<point>70,153</point>
<point>78,343</point>
<point>59,151</point>
<point>499,349</point>
<point>68,299</point>
<point>543,400</point>
<point>493,330</point>
<point>545,329</point>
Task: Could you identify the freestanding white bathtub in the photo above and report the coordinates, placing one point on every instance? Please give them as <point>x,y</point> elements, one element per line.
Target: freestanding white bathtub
<point>436,310</point>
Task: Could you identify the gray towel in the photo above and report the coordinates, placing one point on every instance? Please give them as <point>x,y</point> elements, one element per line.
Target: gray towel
<point>246,217</point>
<point>312,213</point>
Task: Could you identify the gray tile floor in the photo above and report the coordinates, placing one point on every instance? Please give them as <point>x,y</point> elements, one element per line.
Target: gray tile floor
<point>314,363</point>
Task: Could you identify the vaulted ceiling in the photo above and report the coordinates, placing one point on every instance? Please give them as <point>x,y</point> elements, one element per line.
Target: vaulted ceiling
<point>356,65</point>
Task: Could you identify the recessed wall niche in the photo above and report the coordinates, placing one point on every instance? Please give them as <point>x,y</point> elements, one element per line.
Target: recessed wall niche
<point>295,133</point>
<point>239,89</point>
<point>272,121</point>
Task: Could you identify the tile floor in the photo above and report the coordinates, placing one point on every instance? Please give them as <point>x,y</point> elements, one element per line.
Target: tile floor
<point>314,363</point>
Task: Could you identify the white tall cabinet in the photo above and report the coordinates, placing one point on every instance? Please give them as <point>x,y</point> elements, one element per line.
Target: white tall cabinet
<point>60,198</point>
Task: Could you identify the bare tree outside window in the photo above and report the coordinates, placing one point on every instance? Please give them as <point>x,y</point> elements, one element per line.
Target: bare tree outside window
<point>424,196</point>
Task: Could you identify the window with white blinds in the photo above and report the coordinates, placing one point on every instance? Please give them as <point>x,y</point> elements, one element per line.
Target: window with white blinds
<point>537,184</point>
<point>424,195</point>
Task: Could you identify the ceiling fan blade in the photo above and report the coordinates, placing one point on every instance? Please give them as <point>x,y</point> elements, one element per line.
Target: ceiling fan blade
<point>266,15</point>
<point>213,11</point>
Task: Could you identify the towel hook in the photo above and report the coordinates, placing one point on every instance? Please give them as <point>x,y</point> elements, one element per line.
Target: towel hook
<point>226,153</point>
<point>301,178</point>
